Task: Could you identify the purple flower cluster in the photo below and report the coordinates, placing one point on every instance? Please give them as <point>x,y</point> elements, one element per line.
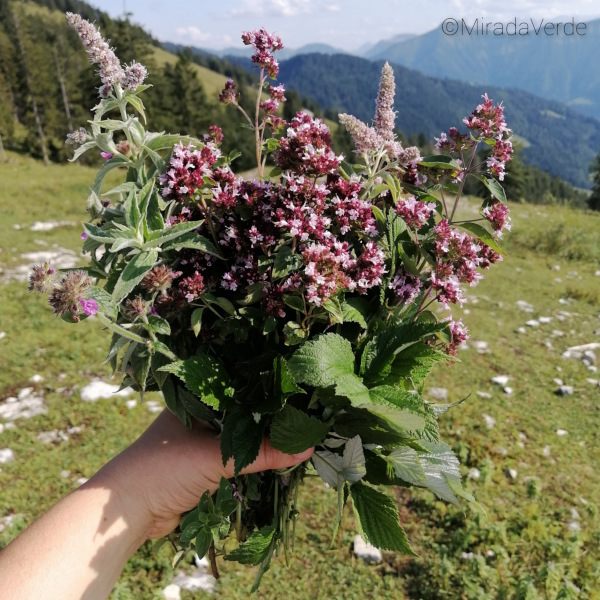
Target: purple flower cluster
<point>497,215</point>
<point>414,212</point>
<point>264,44</point>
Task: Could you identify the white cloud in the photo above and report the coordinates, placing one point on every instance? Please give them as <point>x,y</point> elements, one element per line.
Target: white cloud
<point>279,8</point>
<point>195,35</point>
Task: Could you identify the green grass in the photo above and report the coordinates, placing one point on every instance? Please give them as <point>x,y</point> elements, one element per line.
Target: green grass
<point>523,522</point>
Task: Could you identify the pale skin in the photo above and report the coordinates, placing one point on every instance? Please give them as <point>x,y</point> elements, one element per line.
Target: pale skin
<point>77,550</point>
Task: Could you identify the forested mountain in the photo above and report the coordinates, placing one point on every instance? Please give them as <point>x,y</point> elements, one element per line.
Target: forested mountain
<point>558,67</point>
<point>555,137</point>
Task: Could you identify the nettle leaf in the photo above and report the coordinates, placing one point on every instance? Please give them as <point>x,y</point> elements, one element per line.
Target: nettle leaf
<point>351,386</point>
<point>415,363</point>
<point>398,407</point>
<point>285,262</point>
<point>406,465</point>
<point>293,431</point>
<point>353,460</point>
<point>162,236</point>
<point>335,469</point>
<point>255,549</point>
<point>381,351</point>
<point>329,467</point>
<point>320,362</point>
<point>204,376</point>
<point>133,274</point>
<point>483,235</point>
<point>377,518</point>
<point>241,437</point>
<point>356,310</point>
<point>440,466</point>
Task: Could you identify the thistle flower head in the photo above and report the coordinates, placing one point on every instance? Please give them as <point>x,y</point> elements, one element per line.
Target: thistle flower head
<point>100,53</point>
<point>68,291</point>
<point>42,278</point>
<point>385,116</point>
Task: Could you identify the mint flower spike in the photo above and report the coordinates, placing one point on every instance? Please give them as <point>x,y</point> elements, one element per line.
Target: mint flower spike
<point>100,53</point>
<point>365,138</point>
<point>385,116</point>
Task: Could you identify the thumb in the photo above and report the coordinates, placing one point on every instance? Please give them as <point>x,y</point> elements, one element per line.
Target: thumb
<point>270,458</point>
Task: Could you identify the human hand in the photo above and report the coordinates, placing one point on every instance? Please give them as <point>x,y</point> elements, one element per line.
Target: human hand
<point>166,471</point>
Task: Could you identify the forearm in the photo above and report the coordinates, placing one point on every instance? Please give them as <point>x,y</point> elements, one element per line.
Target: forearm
<point>76,550</point>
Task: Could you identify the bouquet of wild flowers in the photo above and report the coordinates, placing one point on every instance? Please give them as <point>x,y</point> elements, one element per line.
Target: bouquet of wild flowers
<point>295,305</point>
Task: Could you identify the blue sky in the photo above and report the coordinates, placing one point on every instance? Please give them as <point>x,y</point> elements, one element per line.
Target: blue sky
<point>346,24</point>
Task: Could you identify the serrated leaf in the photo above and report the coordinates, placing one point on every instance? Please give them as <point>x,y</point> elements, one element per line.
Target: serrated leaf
<point>285,262</point>
<point>353,460</point>
<point>440,466</point>
<point>377,518</point>
<point>398,407</point>
<point>329,466</point>
<point>356,310</point>
<point>293,431</point>
<point>333,307</point>
<point>255,549</point>
<point>481,233</point>
<point>241,437</point>
<point>406,465</point>
<point>351,386</point>
<point>204,376</point>
<point>440,161</point>
<point>321,361</point>
<point>380,352</point>
<point>416,362</point>
<point>133,274</point>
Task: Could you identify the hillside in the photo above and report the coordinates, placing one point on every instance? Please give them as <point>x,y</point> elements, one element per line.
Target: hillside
<point>550,66</point>
<point>557,138</point>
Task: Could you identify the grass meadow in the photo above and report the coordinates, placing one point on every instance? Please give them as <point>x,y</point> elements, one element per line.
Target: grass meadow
<point>535,531</point>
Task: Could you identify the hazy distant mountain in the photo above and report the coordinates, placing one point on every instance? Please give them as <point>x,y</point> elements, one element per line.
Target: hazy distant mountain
<point>246,51</point>
<point>555,67</point>
<point>557,138</point>
<point>374,51</point>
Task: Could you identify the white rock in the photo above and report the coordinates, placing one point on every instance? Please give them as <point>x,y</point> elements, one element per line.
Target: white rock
<point>6,456</point>
<point>521,330</point>
<point>589,357</point>
<point>24,393</point>
<point>154,406</point>
<point>100,389</point>
<point>484,395</point>
<point>565,390</point>
<point>2,335</point>
<point>52,437</point>
<point>525,306</point>
<point>65,474</point>
<point>580,351</point>
<point>490,554</point>
<point>1,428</point>
<point>511,473</point>
<point>500,451</point>
<point>574,526</point>
<point>131,404</point>
<point>593,381</point>
<point>489,421</point>
<point>592,369</point>
<point>481,346</point>
<point>474,473</point>
<point>583,500</point>
<point>500,379</point>
<point>172,592</point>
<point>558,381</point>
<point>36,378</point>
<point>557,333</point>
<point>561,432</point>
<point>467,555</point>
<point>365,551</point>
<point>23,407</point>
<point>7,521</point>
<point>556,268</point>
<point>438,393</point>
<point>546,451</point>
<point>81,480</point>
<point>198,580</point>
<point>575,514</point>
<point>59,258</point>
<point>544,319</point>
<point>507,390</point>
<point>532,323</point>
<point>49,225</point>
<point>522,436</point>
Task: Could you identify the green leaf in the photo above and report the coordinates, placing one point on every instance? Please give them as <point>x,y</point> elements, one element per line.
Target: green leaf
<point>133,274</point>
<point>293,431</point>
<point>162,236</point>
<point>380,352</point>
<point>285,262</point>
<point>255,549</point>
<point>496,189</point>
<point>104,301</point>
<point>158,325</point>
<point>415,363</point>
<point>398,407</point>
<point>356,310</point>
<point>484,235</point>
<point>204,376</point>
<point>195,407</point>
<point>440,161</point>
<point>351,386</point>
<point>203,541</point>
<point>295,302</point>
<point>113,163</point>
<point>377,517</point>
<point>353,460</point>
<point>197,320</point>
<point>189,533</point>
<point>225,500</point>
<point>333,307</point>
<point>194,241</point>
<point>241,437</point>
<point>321,361</point>
<point>406,465</point>
<point>329,467</point>
<point>132,210</point>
